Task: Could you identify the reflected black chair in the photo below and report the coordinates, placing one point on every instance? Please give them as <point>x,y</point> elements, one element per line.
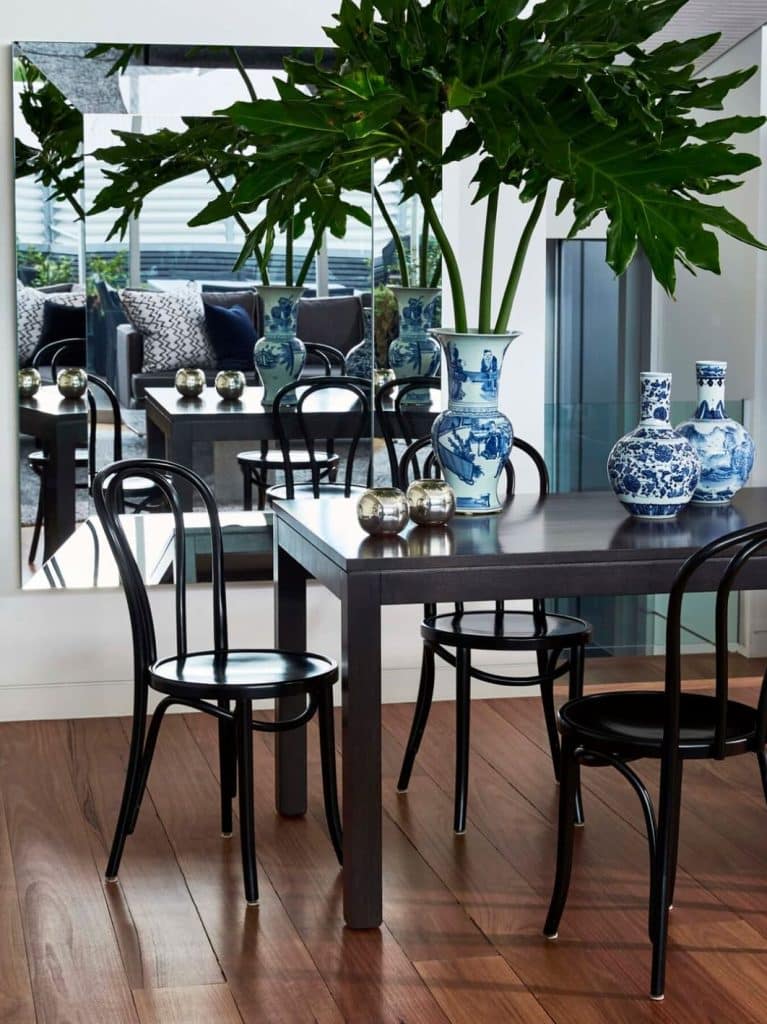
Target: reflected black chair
<point>212,680</point>
<point>613,729</point>
<point>137,495</point>
<point>298,438</point>
<point>403,423</point>
<point>256,466</point>
<point>546,635</point>
<point>57,354</point>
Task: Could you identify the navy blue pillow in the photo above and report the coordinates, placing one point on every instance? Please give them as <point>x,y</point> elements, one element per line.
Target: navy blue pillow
<point>232,335</point>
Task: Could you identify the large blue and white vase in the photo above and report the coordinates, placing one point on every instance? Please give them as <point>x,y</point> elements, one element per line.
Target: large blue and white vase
<point>359,359</point>
<point>279,355</point>
<point>472,438</point>
<point>724,446</point>
<point>414,352</point>
<point>653,470</point>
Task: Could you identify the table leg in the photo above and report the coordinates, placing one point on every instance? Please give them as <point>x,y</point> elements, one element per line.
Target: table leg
<point>361,688</point>
<point>289,634</point>
<point>58,484</point>
<point>178,448</point>
<point>155,440</point>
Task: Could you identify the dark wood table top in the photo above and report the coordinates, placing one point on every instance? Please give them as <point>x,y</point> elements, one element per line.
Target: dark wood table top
<point>209,404</point>
<point>49,404</point>
<point>564,544</point>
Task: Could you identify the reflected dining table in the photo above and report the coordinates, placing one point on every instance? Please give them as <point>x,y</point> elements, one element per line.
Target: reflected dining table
<point>560,546</point>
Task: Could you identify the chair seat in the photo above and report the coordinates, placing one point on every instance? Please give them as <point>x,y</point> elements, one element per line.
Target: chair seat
<point>505,631</point>
<point>39,459</point>
<point>241,674</point>
<point>274,459</point>
<point>622,722</point>
<point>278,492</point>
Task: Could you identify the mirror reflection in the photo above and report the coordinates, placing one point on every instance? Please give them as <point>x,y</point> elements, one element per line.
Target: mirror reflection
<point>145,245</point>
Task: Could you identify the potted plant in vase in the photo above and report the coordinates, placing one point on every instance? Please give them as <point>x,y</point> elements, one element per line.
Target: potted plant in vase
<point>568,93</point>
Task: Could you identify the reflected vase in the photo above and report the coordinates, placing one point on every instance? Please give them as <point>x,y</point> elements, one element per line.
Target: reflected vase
<point>359,359</point>
<point>653,470</point>
<point>414,352</point>
<point>724,446</point>
<point>472,438</point>
<point>279,356</point>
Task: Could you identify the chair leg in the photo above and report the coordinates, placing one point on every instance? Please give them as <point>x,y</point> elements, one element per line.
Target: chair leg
<point>227,763</point>
<point>577,668</point>
<point>39,515</point>
<point>132,782</point>
<point>247,489</point>
<point>462,728</point>
<point>420,718</point>
<point>675,836</point>
<point>761,758</point>
<point>668,835</point>
<point>546,666</point>
<point>244,715</point>
<point>328,759</point>
<point>568,788</point>
<point>146,760</point>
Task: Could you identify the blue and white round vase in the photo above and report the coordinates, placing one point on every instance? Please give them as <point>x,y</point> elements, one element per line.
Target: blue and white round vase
<point>359,360</point>
<point>279,355</point>
<point>653,470</point>
<point>472,438</point>
<point>724,446</point>
<point>414,352</point>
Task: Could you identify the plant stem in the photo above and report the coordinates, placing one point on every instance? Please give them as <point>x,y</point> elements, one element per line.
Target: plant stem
<point>453,271</point>
<point>423,253</point>
<point>436,274</point>
<point>512,284</point>
<point>404,276</point>
<point>243,225</point>
<point>243,73</point>
<point>488,253</point>
<point>315,244</point>
<point>289,253</point>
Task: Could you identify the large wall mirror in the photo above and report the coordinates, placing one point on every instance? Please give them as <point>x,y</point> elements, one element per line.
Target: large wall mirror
<point>130,265</point>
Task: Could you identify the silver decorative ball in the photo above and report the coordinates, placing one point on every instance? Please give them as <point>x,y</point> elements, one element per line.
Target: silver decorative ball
<point>190,382</point>
<point>382,510</point>
<point>431,502</point>
<point>230,384</point>
<point>72,381</point>
<point>29,381</point>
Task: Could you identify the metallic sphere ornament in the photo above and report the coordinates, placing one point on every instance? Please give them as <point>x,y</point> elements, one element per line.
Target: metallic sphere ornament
<point>230,384</point>
<point>431,502</point>
<point>190,382</point>
<point>382,510</point>
<point>72,381</point>
<point>28,381</point>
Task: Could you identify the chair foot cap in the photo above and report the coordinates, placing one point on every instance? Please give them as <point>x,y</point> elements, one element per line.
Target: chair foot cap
<point>111,879</point>
<point>461,833</point>
<point>398,790</point>
<point>226,835</point>
<point>579,824</point>
<point>657,999</point>
<point>671,906</point>
<point>252,903</point>
<point>551,938</point>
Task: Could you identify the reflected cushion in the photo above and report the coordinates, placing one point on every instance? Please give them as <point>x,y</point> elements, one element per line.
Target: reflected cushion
<point>61,322</point>
<point>173,326</point>
<point>232,335</point>
<point>30,313</point>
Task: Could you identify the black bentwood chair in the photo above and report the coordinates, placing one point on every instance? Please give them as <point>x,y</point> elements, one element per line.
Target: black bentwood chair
<point>210,681</point>
<point>256,466</point>
<point>548,636</point>
<point>137,494</point>
<point>616,728</point>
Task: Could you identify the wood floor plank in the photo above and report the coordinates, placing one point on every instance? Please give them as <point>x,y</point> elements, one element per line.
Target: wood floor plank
<point>16,1003</point>
<point>75,965</point>
<point>367,972</point>
<point>483,990</point>
<point>270,972</point>
<point>162,940</point>
<point>199,1004</point>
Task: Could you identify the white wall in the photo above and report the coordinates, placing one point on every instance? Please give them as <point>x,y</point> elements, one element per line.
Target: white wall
<point>68,654</point>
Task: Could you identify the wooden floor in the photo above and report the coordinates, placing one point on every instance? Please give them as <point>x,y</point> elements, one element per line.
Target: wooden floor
<point>174,941</point>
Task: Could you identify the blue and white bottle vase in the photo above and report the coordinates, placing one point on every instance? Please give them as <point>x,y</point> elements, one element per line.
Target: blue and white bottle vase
<point>724,446</point>
<point>653,470</point>
<point>414,352</point>
<point>472,438</point>
<point>279,355</point>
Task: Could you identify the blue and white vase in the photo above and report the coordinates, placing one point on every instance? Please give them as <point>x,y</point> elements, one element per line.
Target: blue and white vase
<point>359,359</point>
<point>472,438</point>
<point>414,352</point>
<point>724,446</point>
<point>653,470</point>
<point>279,355</point>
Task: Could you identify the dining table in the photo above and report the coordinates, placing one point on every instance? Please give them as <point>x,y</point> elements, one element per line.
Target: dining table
<point>563,545</point>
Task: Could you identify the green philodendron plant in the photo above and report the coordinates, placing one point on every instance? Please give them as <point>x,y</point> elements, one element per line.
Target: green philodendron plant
<point>566,93</point>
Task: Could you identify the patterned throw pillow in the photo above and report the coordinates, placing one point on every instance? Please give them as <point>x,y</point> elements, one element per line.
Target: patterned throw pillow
<point>30,310</point>
<point>173,325</point>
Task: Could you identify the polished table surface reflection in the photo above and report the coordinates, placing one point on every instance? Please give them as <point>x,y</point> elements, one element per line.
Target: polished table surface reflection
<point>60,426</point>
<point>564,545</point>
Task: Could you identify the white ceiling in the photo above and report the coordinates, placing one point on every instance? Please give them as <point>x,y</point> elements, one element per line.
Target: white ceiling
<point>735,19</point>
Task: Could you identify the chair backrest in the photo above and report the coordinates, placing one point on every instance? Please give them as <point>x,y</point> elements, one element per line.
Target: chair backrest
<point>117,443</point>
<point>745,544</point>
<point>327,356</point>
<point>293,420</point>
<point>107,494</point>
<point>57,354</point>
